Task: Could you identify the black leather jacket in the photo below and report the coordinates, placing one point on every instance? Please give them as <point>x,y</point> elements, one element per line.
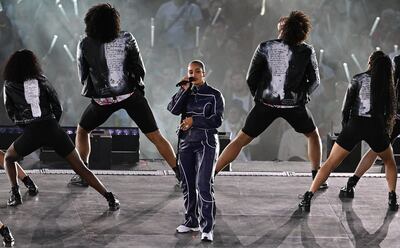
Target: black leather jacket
<point>283,75</point>
<point>31,101</point>
<point>110,69</point>
<point>205,105</point>
<point>357,101</point>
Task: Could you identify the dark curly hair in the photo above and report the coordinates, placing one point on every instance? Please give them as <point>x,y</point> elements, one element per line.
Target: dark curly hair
<point>102,23</point>
<point>22,65</point>
<point>294,28</point>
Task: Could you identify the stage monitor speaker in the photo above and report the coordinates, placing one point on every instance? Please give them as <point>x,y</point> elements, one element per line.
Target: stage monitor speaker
<point>7,136</point>
<point>224,139</point>
<point>349,164</point>
<point>100,155</point>
<point>122,142</point>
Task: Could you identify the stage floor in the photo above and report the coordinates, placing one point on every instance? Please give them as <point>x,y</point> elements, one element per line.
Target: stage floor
<point>252,211</point>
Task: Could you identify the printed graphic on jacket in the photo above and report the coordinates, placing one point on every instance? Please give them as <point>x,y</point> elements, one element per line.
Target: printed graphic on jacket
<point>32,93</point>
<point>115,55</point>
<point>278,56</point>
<point>365,95</point>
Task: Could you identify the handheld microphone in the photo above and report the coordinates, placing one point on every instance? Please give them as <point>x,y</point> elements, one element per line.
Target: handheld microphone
<point>183,82</point>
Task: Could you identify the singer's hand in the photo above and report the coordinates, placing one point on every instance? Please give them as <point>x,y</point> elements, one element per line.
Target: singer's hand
<point>187,85</point>
<point>186,123</point>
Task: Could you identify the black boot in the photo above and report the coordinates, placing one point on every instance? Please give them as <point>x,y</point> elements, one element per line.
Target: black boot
<point>77,180</point>
<point>32,188</point>
<point>324,185</point>
<point>15,197</point>
<point>393,205</point>
<point>113,203</point>
<point>305,204</point>
<point>348,190</point>
<point>8,239</point>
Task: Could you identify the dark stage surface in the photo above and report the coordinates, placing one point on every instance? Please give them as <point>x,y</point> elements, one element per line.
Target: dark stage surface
<point>252,211</point>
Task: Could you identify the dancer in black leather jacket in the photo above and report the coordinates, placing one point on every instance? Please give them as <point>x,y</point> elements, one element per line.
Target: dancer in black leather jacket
<point>368,114</point>
<point>370,156</point>
<point>201,107</point>
<point>32,103</point>
<point>112,72</point>
<point>282,75</point>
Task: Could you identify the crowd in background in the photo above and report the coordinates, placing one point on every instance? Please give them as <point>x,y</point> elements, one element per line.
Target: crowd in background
<point>222,33</point>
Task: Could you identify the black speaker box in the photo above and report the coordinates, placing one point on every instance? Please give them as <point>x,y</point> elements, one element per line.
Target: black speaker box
<point>224,139</point>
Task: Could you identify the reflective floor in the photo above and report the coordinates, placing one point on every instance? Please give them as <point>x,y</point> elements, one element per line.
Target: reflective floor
<point>252,211</point>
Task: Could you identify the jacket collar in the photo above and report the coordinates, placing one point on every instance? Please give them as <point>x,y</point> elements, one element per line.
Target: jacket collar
<point>199,89</point>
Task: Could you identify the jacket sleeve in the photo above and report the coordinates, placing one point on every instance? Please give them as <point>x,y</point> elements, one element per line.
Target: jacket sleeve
<point>53,100</point>
<point>9,104</point>
<point>348,101</point>
<point>255,72</point>
<point>178,102</point>
<point>215,119</point>
<point>312,73</point>
<point>134,63</point>
<point>83,66</point>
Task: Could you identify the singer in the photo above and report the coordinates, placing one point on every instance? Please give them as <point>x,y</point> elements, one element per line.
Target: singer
<point>201,107</point>
<point>111,71</point>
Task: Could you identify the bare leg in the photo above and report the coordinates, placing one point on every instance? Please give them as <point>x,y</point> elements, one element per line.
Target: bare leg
<point>11,168</point>
<point>335,158</point>
<point>21,172</point>
<point>366,162</point>
<point>79,167</point>
<point>314,149</point>
<point>232,150</point>
<point>390,168</point>
<point>82,143</point>
<point>9,159</point>
<point>163,147</point>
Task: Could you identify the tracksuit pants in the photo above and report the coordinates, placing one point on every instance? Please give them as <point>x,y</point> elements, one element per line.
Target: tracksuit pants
<point>197,166</point>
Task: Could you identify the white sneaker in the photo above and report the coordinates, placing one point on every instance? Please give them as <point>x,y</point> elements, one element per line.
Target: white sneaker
<point>207,236</point>
<point>185,229</point>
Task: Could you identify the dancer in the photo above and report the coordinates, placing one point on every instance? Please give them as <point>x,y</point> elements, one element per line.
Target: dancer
<point>368,114</point>
<point>201,107</point>
<point>32,103</point>
<point>8,239</point>
<point>111,71</point>
<point>29,184</point>
<point>370,156</point>
<point>282,75</point>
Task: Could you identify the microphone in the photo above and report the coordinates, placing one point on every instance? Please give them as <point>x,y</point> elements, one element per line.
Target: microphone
<point>183,82</point>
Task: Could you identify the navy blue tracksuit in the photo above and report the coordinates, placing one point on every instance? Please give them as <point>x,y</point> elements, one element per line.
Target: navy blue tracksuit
<point>198,151</point>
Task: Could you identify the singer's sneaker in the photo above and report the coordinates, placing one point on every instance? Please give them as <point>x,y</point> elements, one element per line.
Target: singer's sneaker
<point>186,229</point>
<point>208,237</point>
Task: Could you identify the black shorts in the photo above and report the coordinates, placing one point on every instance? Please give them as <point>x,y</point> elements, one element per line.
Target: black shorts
<point>368,129</point>
<point>395,131</point>
<point>43,133</point>
<point>261,116</point>
<point>136,106</point>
